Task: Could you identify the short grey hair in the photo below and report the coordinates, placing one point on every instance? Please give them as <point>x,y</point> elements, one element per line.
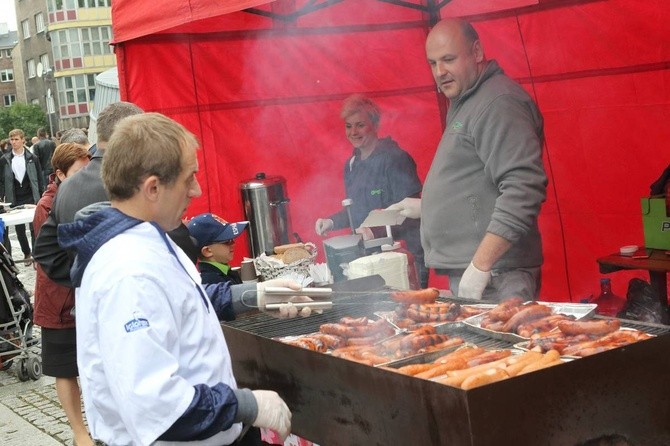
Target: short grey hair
<point>111,115</point>
<point>76,136</point>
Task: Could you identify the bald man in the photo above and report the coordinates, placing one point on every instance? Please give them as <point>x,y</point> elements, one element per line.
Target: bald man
<point>486,184</point>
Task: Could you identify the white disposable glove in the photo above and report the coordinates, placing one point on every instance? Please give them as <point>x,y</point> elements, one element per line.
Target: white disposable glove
<point>473,282</point>
<point>408,207</point>
<point>365,232</point>
<point>286,309</point>
<point>323,225</point>
<point>273,413</point>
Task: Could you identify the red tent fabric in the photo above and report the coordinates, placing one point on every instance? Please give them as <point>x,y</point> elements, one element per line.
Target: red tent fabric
<point>262,87</point>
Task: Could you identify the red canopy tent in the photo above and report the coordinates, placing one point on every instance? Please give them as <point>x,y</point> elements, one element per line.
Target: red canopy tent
<point>262,87</point>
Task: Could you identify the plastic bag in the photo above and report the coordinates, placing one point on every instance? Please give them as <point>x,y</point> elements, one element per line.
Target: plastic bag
<point>643,304</point>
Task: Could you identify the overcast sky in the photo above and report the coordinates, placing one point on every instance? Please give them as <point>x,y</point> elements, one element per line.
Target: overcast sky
<point>8,14</point>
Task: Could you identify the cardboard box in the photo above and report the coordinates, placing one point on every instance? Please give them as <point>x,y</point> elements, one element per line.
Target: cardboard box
<point>656,223</point>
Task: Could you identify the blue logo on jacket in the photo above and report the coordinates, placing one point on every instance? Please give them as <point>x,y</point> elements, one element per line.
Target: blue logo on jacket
<point>136,324</point>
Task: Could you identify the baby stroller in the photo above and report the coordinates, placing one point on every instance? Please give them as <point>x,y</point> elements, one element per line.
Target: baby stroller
<point>17,344</point>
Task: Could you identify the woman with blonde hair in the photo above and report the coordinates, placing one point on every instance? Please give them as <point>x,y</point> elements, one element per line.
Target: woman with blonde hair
<point>378,174</point>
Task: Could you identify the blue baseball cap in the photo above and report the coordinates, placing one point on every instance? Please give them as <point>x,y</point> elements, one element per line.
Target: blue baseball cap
<point>208,228</point>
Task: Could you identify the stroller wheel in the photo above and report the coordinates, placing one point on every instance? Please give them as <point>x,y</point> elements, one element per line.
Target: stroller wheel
<point>34,366</point>
<point>6,365</point>
<point>22,371</point>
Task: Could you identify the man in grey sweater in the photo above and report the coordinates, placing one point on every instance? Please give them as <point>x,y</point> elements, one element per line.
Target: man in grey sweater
<point>486,184</point>
<point>79,191</point>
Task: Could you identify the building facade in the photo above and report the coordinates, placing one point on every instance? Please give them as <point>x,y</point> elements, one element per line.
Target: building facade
<point>35,58</point>
<point>80,32</point>
<point>8,90</point>
<point>69,41</point>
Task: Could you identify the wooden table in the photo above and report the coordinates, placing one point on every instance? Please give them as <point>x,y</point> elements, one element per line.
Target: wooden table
<point>658,266</point>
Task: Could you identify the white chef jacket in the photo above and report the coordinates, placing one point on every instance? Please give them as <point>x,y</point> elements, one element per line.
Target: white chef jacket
<point>145,337</point>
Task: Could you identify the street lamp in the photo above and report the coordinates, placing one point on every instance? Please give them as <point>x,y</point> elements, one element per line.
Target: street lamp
<point>48,98</point>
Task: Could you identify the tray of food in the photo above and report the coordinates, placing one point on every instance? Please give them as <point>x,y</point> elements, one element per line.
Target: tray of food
<point>372,342</point>
<point>584,338</point>
<point>471,366</point>
<point>514,321</point>
<point>437,314</point>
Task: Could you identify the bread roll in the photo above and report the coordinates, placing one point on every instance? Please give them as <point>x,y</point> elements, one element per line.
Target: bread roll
<point>294,254</point>
<point>281,249</point>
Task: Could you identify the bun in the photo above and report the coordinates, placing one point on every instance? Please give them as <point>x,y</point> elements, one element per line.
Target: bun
<point>294,254</point>
<point>281,249</point>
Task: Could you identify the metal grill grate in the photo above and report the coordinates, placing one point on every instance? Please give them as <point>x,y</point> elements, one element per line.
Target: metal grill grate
<point>266,326</point>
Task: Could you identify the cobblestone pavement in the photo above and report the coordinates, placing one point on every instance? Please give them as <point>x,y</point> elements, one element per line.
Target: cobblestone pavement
<point>30,414</point>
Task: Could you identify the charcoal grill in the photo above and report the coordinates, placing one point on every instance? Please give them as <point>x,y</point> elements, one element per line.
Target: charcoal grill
<point>339,402</point>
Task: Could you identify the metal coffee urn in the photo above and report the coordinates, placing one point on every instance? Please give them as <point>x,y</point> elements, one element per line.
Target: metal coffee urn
<point>266,207</point>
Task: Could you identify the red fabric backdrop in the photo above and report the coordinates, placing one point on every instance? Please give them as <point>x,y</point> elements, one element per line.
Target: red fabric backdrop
<point>263,95</point>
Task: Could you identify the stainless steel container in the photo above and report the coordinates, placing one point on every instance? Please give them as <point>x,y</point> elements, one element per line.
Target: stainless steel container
<point>265,204</point>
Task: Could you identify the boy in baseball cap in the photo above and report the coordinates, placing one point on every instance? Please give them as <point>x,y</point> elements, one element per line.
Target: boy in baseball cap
<point>215,238</point>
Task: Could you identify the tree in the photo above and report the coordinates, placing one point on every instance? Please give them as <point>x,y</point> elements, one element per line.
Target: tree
<point>27,117</point>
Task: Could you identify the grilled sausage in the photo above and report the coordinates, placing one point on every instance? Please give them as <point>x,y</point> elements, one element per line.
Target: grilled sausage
<point>488,356</point>
<point>551,358</point>
<point>463,352</point>
<point>413,369</point>
<point>546,323</point>
<point>424,296</point>
<point>437,312</point>
<point>517,363</point>
<point>589,327</point>
<point>506,309</point>
<point>487,377</point>
<point>331,341</point>
<point>414,343</point>
<point>442,345</point>
<point>528,313</point>
<point>358,321</point>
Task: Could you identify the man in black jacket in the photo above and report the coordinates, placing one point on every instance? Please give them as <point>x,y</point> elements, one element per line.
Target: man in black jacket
<point>44,150</point>
<point>20,183</point>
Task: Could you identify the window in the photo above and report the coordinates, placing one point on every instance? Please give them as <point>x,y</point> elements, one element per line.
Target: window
<point>44,60</point>
<point>32,72</point>
<point>78,89</point>
<point>9,99</point>
<point>96,40</point>
<point>54,5</point>
<point>66,44</point>
<point>7,75</point>
<point>6,53</point>
<point>39,23</point>
<point>90,80</point>
<point>93,3</point>
<point>25,26</point>
<point>51,107</point>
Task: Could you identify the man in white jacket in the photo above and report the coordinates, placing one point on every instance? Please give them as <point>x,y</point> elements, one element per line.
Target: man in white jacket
<point>153,362</point>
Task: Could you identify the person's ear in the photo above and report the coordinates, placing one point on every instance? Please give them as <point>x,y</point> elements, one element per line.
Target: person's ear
<point>205,252</point>
<point>60,174</point>
<point>151,187</point>
<point>478,51</point>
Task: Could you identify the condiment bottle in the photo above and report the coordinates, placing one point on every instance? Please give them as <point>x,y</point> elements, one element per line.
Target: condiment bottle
<point>609,304</point>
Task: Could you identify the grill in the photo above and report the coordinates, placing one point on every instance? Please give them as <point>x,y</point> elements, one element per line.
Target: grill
<point>339,402</point>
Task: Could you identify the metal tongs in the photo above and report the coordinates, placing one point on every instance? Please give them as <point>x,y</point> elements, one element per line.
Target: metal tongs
<point>274,294</point>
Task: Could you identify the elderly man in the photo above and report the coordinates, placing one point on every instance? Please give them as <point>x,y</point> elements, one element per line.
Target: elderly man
<point>78,136</point>
<point>486,184</point>
<point>153,361</point>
